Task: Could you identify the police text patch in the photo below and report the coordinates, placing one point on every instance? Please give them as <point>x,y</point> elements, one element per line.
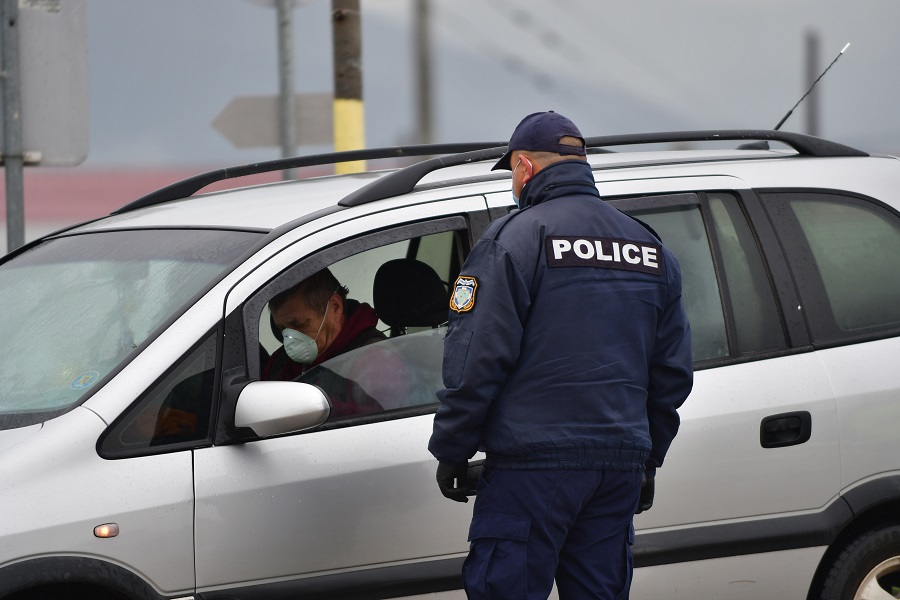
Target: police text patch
<point>463,298</point>
<point>608,253</point>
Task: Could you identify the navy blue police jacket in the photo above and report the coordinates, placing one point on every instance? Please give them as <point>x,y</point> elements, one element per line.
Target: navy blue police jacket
<point>567,346</point>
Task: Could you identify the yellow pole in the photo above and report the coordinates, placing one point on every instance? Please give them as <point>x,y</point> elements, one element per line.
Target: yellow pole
<point>349,113</point>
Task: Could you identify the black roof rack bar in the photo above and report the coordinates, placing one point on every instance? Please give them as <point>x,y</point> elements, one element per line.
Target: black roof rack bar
<point>405,180</point>
<point>191,185</point>
<point>806,145</point>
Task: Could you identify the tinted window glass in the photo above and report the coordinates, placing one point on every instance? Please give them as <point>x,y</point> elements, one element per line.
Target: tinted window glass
<point>176,410</point>
<point>757,322</point>
<point>75,308</point>
<point>683,232</point>
<point>855,247</point>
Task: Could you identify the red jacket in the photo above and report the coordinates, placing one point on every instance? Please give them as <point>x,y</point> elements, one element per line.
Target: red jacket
<point>359,330</point>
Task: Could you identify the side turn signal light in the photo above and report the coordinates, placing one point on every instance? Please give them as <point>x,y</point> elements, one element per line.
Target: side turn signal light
<point>107,530</point>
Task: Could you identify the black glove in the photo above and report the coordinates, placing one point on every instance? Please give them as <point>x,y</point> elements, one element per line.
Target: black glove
<point>474,472</point>
<point>647,488</point>
<point>452,480</point>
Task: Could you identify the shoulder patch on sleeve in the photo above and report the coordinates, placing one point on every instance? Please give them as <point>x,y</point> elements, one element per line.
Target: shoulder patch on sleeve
<point>463,297</point>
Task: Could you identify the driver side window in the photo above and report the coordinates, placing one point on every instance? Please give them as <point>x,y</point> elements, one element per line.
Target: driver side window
<point>383,346</point>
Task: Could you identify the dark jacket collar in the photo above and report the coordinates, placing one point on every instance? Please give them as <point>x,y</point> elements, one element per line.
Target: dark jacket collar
<point>559,179</point>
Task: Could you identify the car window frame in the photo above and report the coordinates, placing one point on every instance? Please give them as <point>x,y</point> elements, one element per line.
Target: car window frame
<point>325,257</point>
<point>780,276</point>
<point>748,238</point>
<point>240,360</point>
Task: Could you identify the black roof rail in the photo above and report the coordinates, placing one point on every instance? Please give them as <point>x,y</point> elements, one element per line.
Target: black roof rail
<point>805,145</point>
<point>405,180</point>
<point>191,185</point>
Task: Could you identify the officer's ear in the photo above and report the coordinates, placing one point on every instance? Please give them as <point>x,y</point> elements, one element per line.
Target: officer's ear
<point>529,168</point>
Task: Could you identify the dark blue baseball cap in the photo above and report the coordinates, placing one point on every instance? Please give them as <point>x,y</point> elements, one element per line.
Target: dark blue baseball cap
<point>541,132</point>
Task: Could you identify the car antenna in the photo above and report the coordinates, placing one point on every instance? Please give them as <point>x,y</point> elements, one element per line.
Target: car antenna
<point>785,117</point>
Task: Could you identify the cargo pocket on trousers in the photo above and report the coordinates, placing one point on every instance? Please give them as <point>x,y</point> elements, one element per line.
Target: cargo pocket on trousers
<point>497,564</point>
<point>629,561</point>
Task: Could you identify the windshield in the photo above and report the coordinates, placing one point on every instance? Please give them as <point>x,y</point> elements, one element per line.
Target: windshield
<point>73,309</point>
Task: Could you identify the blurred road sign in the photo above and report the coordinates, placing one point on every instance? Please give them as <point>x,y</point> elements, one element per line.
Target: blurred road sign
<point>271,3</point>
<point>253,122</point>
<point>53,81</point>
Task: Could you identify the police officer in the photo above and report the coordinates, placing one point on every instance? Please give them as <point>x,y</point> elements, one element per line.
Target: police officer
<point>566,357</point>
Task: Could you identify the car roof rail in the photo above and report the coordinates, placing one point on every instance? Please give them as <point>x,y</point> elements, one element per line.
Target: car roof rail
<point>191,185</point>
<point>404,181</point>
<point>805,145</point>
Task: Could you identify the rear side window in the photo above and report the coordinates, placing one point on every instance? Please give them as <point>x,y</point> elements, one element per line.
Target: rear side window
<point>726,288</point>
<point>683,232</point>
<point>845,255</point>
<point>756,317</point>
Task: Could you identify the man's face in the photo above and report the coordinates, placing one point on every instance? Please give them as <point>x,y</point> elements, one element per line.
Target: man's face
<point>297,315</point>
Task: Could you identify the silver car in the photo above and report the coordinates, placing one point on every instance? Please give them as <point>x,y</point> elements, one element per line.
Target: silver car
<point>143,457</point>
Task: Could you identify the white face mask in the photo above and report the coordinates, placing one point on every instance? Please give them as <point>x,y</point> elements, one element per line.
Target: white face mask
<point>300,347</point>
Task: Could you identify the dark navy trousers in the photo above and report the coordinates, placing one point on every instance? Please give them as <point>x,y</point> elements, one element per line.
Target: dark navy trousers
<point>532,526</point>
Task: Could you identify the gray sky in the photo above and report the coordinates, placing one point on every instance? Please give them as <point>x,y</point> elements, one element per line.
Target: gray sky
<point>160,71</point>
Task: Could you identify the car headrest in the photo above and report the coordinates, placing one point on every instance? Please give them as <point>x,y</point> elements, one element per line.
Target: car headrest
<point>408,293</point>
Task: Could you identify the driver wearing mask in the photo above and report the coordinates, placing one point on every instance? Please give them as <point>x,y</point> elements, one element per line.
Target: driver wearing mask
<point>317,322</point>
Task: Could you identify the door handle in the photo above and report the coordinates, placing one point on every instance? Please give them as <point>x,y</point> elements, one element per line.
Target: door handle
<point>785,429</point>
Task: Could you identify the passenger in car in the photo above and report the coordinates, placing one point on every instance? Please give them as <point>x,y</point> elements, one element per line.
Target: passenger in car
<point>316,321</point>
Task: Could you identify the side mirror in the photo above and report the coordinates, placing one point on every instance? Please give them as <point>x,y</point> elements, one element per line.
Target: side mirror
<point>275,407</point>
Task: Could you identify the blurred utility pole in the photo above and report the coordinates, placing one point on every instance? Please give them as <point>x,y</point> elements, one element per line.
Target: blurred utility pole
<point>13,156</point>
<point>285,9</point>
<point>423,70</point>
<point>349,113</point>
<point>812,73</point>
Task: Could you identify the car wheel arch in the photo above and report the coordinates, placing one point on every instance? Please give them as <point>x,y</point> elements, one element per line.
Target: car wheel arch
<point>26,578</point>
<point>874,504</point>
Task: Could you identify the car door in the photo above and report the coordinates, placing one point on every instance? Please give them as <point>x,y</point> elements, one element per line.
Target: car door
<point>353,503</point>
<point>750,477</point>
<point>844,251</point>
<point>750,480</point>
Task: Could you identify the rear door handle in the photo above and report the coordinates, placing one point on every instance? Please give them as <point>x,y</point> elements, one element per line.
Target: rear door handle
<point>785,429</point>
